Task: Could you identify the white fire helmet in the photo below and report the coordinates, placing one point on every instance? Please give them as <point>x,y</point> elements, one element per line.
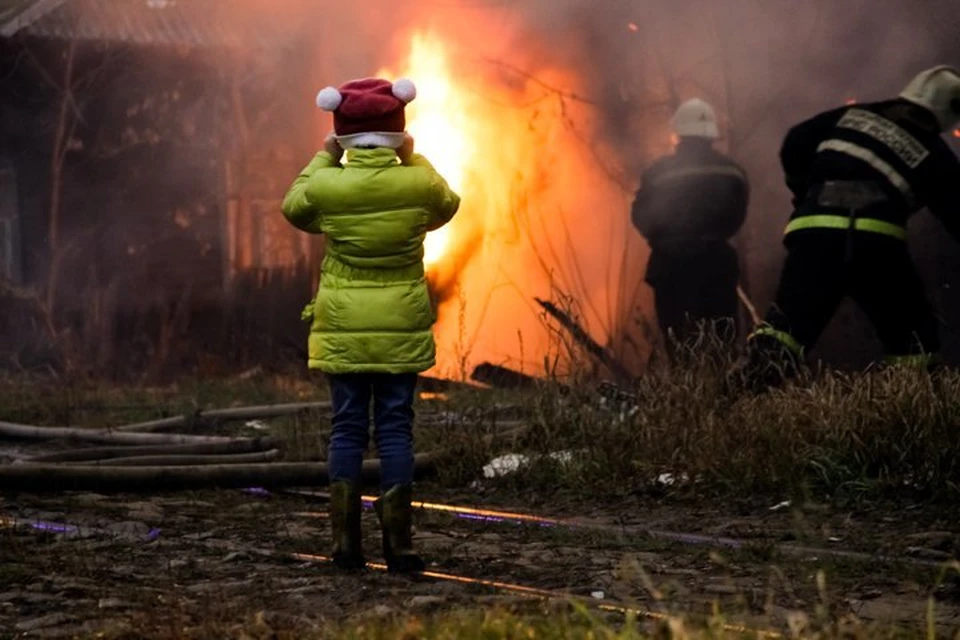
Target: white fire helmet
<point>937,89</point>
<point>695,118</point>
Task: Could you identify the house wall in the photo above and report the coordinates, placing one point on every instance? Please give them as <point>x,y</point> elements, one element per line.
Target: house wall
<point>151,270</point>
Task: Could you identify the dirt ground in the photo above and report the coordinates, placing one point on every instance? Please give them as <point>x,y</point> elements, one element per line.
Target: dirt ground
<point>158,566</point>
<point>216,564</point>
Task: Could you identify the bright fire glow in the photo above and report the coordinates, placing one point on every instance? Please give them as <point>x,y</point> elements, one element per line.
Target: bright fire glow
<point>530,190</point>
<point>436,122</point>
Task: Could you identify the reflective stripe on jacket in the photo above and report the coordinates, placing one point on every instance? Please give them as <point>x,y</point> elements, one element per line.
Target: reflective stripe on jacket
<point>894,144</point>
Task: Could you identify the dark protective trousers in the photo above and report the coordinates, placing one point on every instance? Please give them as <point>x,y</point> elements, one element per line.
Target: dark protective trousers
<point>695,286</point>
<point>825,266</point>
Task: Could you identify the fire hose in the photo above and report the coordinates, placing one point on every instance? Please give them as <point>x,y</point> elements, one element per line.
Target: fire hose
<point>749,306</point>
<point>497,516</point>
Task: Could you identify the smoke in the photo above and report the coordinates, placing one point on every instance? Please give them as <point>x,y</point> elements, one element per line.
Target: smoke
<point>765,66</point>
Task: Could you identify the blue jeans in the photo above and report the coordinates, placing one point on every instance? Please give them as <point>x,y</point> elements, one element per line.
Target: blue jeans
<point>392,396</point>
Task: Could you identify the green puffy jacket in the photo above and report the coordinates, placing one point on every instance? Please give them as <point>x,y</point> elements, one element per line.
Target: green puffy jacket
<point>372,312</point>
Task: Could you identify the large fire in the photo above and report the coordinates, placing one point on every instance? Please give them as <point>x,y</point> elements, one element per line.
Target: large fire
<point>437,122</point>
<point>503,143</point>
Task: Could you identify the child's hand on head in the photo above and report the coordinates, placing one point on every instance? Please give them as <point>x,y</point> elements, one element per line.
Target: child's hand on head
<point>332,146</point>
<point>406,149</point>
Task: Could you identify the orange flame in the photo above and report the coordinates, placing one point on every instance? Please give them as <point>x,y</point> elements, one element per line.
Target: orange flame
<point>504,142</point>
<point>436,120</point>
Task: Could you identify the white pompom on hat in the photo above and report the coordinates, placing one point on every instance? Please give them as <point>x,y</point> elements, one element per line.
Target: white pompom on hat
<point>405,90</point>
<point>329,99</point>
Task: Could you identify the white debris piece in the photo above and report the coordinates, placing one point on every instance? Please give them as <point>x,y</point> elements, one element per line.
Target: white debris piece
<point>670,479</point>
<point>563,457</point>
<point>505,465</point>
<point>258,425</point>
<point>512,462</point>
<point>598,595</point>
<point>781,505</point>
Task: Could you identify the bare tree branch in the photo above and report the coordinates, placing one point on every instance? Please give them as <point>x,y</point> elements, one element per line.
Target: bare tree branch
<point>537,81</point>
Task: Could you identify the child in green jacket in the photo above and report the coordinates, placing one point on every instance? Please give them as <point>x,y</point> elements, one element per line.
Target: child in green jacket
<point>372,318</point>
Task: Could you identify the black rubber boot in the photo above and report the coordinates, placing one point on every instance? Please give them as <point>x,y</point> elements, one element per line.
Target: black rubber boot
<point>396,518</point>
<point>767,365</point>
<point>345,510</point>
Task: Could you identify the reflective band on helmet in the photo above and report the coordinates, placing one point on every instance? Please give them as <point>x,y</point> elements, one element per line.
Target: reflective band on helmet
<point>782,337</point>
<point>843,222</point>
<point>866,155</point>
<point>918,361</point>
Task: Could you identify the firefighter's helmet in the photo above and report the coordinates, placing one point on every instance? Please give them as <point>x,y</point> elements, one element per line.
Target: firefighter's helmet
<point>937,89</point>
<point>695,118</point>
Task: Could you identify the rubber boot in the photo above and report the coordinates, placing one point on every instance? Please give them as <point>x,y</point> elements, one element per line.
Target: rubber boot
<point>396,518</point>
<point>767,365</point>
<point>345,510</point>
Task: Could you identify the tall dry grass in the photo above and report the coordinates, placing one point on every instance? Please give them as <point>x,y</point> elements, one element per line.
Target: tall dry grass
<point>830,434</point>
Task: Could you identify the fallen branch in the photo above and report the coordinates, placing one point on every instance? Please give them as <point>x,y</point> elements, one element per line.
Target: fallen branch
<point>51,478</point>
<point>54,478</point>
<point>501,377</point>
<point>580,335</point>
<point>185,461</point>
<point>106,436</point>
<point>232,447</point>
<point>225,415</point>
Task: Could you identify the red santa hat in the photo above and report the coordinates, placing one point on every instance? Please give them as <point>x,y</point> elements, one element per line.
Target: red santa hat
<point>368,112</point>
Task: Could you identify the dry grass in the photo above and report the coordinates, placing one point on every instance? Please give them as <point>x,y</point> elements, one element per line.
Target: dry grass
<point>483,625</point>
<point>830,435</point>
<point>45,400</point>
<point>552,622</point>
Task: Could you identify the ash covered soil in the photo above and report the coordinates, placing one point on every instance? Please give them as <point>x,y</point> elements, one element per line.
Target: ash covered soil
<point>215,564</point>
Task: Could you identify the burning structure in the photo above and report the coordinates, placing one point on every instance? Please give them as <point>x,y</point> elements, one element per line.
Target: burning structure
<point>145,145</point>
<point>145,152</point>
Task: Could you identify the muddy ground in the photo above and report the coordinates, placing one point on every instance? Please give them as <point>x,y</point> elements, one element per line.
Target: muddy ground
<point>220,563</point>
<point>210,562</point>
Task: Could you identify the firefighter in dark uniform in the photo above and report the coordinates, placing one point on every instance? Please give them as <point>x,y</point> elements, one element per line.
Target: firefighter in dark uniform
<point>689,206</point>
<point>857,173</point>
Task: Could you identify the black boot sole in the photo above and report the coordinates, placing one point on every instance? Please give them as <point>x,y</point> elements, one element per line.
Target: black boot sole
<point>406,565</point>
<point>349,562</point>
